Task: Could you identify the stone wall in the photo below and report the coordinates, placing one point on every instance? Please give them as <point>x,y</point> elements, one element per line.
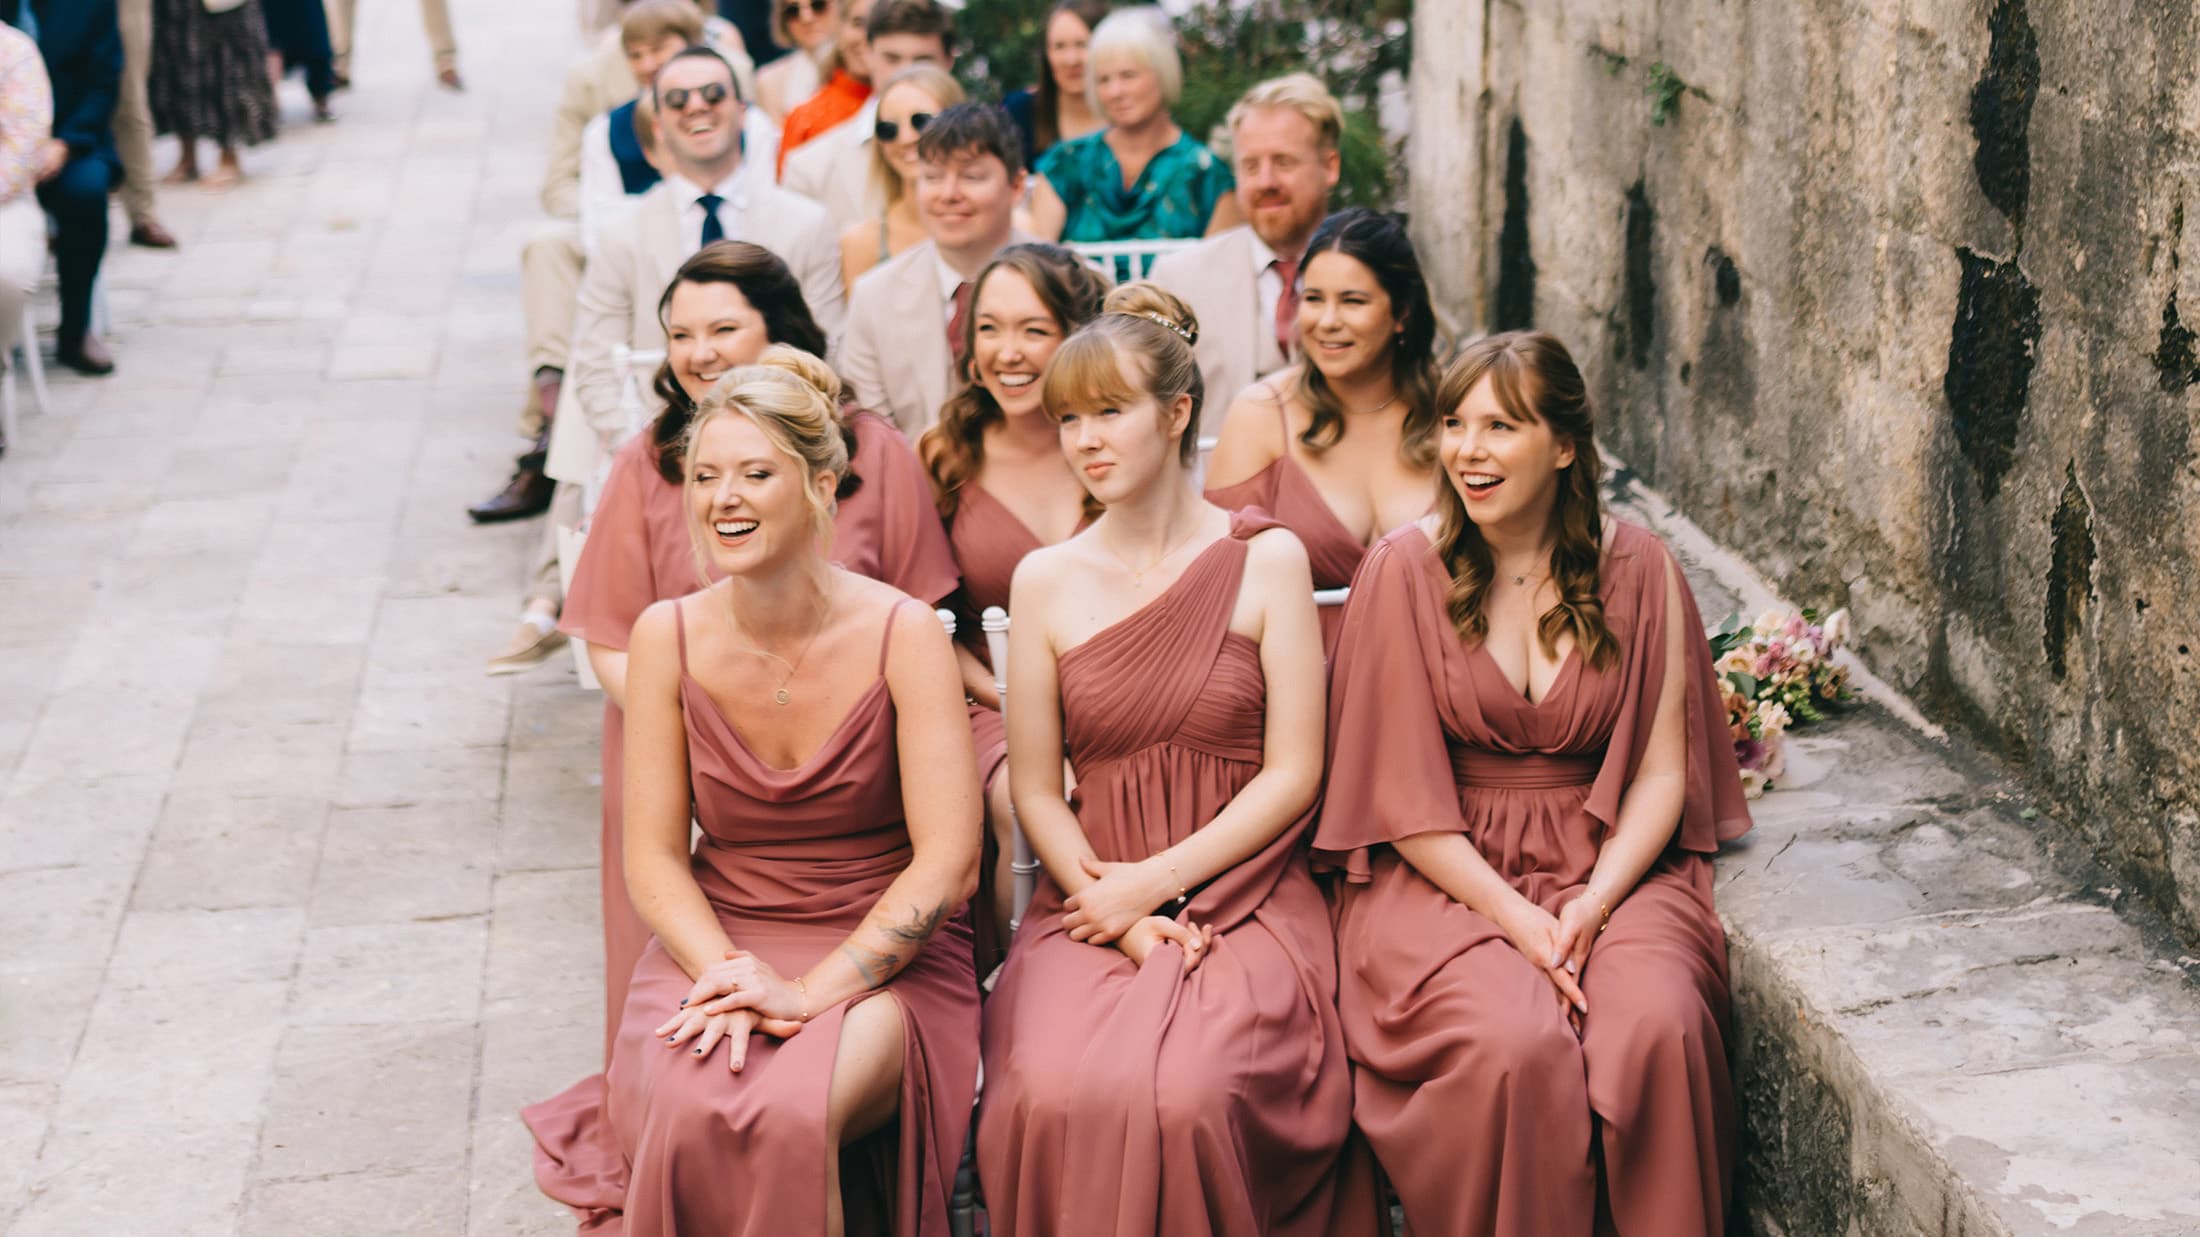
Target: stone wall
<point>1885,294</point>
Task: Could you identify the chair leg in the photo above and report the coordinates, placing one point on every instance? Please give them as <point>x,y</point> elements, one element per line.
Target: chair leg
<point>8,435</point>
<point>34,363</point>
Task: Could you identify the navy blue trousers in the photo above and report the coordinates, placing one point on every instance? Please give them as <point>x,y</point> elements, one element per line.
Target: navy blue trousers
<point>77,200</point>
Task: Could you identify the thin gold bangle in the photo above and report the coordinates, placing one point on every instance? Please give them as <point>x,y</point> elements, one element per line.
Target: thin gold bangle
<point>803,986</point>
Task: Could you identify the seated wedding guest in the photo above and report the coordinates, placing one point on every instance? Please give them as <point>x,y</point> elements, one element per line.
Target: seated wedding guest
<point>1529,772</point>
<point>835,167</point>
<point>1058,107</point>
<point>208,79</point>
<point>805,29</point>
<point>906,104</point>
<point>1142,177</point>
<point>26,131</point>
<point>847,85</point>
<point>1341,447</point>
<point>797,1052</point>
<point>81,47</point>
<point>1244,282</point>
<point>1005,490</point>
<point>902,350</point>
<point>1162,1051</point>
<point>618,165</point>
<point>724,307</point>
<point>710,192</point>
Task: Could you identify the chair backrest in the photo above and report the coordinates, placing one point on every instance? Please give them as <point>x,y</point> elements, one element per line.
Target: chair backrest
<point>1108,257</point>
<point>1022,863</point>
<point>1328,598</point>
<point>631,363</point>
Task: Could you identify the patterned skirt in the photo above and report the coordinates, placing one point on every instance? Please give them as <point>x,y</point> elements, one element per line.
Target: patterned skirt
<point>208,74</point>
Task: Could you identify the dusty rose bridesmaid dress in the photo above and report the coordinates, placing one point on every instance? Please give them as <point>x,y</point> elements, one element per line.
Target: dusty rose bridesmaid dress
<point>1132,1101</point>
<point>1284,491</point>
<point>791,860</point>
<point>1490,1113</point>
<point>638,552</point>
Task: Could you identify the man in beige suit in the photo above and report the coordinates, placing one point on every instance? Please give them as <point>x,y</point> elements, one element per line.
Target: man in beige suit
<point>709,193</point>
<point>834,168</point>
<point>1242,283</point>
<point>905,317</point>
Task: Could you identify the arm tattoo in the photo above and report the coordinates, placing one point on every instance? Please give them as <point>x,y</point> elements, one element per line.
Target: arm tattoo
<point>921,925</point>
<point>879,965</point>
<point>874,965</point>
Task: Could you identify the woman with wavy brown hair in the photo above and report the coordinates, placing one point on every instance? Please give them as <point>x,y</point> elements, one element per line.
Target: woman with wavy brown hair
<point>1341,447</point>
<point>1005,490</point>
<point>1528,776</point>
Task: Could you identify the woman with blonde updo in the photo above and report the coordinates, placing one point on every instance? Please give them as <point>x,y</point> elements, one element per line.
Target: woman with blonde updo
<point>1163,1052</point>
<point>723,308</point>
<point>812,719</point>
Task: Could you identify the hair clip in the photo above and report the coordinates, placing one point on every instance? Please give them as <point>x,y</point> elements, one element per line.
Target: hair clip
<point>1176,328</point>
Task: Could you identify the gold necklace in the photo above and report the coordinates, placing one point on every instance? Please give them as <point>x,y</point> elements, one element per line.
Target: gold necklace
<point>1138,574</point>
<point>1379,407</point>
<point>781,695</point>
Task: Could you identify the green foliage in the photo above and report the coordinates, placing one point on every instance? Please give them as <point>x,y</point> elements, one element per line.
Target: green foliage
<point>1664,87</point>
<point>1228,48</point>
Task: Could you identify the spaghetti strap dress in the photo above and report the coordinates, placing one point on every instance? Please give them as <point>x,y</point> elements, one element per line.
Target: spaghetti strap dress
<point>638,553</point>
<point>1284,491</point>
<point>1490,1111</point>
<point>1126,1101</point>
<point>791,861</point>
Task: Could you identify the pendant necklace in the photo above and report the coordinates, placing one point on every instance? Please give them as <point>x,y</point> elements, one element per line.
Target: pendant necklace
<point>781,695</point>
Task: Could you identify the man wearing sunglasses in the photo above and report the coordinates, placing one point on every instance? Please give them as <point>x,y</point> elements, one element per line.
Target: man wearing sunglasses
<point>906,317</point>
<point>709,193</point>
<point>834,168</point>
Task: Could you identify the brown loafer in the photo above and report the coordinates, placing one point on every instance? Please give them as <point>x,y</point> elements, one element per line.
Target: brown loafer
<point>529,646</point>
<point>148,234</point>
<point>89,357</point>
<point>450,79</point>
<point>526,494</point>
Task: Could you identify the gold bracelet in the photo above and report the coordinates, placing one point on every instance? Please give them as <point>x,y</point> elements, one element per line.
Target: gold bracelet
<point>1603,907</point>
<point>803,986</point>
<point>1183,891</point>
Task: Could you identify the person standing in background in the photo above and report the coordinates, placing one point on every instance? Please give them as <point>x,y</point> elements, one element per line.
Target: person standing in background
<point>297,38</point>
<point>82,49</point>
<point>435,18</point>
<point>133,126</point>
<point>209,79</point>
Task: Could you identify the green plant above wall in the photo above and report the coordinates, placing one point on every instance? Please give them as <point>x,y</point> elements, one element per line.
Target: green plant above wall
<point>1227,49</point>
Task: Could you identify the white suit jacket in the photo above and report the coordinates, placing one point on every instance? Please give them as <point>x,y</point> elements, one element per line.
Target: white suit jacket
<point>1237,343</point>
<point>894,356</point>
<point>638,255</point>
<point>834,169</point>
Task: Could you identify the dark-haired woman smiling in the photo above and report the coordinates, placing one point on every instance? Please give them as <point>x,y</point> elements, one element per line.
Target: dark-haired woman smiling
<point>723,308</point>
<point>1528,775</point>
<point>1341,447</point>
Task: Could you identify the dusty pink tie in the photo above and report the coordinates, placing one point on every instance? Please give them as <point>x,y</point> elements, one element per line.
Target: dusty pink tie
<point>958,323</point>
<point>1287,305</point>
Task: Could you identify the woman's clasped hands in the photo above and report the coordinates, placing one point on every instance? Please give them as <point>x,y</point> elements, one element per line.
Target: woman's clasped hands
<point>1118,908</point>
<point>1557,945</point>
<point>732,998</point>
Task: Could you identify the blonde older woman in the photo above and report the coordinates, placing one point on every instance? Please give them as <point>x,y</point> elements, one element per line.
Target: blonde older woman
<point>909,101</point>
<point>805,28</point>
<point>1142,177</point>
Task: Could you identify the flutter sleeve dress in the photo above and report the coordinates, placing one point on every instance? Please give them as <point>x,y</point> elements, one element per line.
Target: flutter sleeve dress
<point>639,552</point>
<point>1125,1101</point>
<point>1490,1113</point>
<point>791,860</point>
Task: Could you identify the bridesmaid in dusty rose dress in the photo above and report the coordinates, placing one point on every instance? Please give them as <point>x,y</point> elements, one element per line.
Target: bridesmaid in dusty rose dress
<point>723,307</point>
<point>1529,773</point>
<point>1005,490</point>
<point>1342,446</point>
<point>803,1023</point>
<point>1162,1052</point>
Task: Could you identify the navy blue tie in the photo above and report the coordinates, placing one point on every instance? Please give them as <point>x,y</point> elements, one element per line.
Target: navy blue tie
<point>712,229</point>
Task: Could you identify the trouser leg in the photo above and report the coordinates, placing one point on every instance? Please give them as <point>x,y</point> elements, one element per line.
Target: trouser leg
<point>550,267</point>
<point>133,119</point>
<point>340,14</point>
<point>435,18</point>
<point>77,199</point>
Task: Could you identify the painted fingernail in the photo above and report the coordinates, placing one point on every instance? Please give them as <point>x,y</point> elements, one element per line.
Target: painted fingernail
<point>698,1052</point>
<point>683,1004</point>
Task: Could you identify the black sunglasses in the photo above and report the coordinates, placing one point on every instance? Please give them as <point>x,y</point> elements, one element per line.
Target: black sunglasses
<point>794,8</point>
<point>676,99</point>
<point>887,130</point>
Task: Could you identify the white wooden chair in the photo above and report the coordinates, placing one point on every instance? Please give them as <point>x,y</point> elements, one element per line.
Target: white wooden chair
<point>630,363</point>
<point>1108,257</point>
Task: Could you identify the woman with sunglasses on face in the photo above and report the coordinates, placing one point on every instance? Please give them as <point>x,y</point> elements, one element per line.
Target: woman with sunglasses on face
<point>805,28</point>
<point>797,1050</point>
<point>1005,490</point>
<point>1529,772</point>
<point>724,307</point>
<point>1341,446</point>
<point>1162,1050</point>
<point>907,103</point>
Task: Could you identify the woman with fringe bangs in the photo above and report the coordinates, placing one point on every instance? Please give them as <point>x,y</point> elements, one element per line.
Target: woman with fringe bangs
<point>1529,773</point>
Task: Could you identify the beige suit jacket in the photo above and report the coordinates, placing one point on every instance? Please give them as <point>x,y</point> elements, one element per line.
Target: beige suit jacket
<point>638,255</point>
<point>834,169</point>
<point>894,356</point>
<point>1237,344</point>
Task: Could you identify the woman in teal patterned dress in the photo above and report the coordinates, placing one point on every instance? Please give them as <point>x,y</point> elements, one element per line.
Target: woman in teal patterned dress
<point>1142,177</point>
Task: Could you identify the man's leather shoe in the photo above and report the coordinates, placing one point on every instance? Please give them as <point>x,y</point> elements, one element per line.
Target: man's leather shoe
<point>148,234</point>
<point>526,494</point>
<point>88,357</point>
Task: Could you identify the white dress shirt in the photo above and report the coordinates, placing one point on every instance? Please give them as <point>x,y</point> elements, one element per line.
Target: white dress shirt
<point>734,199</point>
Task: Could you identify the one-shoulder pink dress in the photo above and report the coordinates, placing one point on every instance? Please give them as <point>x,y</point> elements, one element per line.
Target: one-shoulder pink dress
<point>791,860</point>
<point>1284,491</point>
<point>1132,1101</point>
<point>1490,1112</point>
<point>638,552</point>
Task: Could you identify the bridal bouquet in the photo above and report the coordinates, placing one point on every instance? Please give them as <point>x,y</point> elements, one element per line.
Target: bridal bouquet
<point>1777,673</point>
